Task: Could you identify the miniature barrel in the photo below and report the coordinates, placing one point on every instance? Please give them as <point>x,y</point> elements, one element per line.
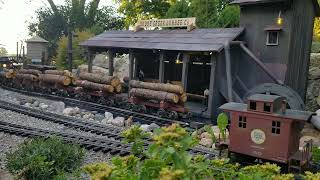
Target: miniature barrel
<point>101,79</point>
<point>95,86</point>
<point>59,72</point>
<point>29,71</point>
<point>157,87</point>
<point>29,77</point>
<point>154,95</point>
<point>53,78</point>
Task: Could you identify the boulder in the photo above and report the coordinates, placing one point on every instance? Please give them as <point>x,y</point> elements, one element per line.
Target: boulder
<point>153,126</point>
<point>36,104</point>
<point>315,120</point>
<point>205,135</point>
<point>27,104</point>
<point>98,117</point>
<point>145,127</point>
<point>71,111</point>
<point>43,106</point>
<point>118,121</point>
<point>206,142</point>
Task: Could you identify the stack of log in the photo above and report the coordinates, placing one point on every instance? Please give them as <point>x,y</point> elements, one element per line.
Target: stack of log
<point>158,91</point>
<point>26,75</point>
<point>100,82</point>
<point>62,77</point>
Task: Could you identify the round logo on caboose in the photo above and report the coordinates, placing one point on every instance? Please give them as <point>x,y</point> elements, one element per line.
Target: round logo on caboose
<point>258,136</point>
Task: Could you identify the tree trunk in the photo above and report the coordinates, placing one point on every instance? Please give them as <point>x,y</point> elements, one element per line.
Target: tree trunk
<point>29,71</point>
<point>53,78</point>
<point>59,72</point>
<point>29,77</point>
<point>154,95</point>
<point>95,86</point>
<point>157,86</point>
<point>101,79</point>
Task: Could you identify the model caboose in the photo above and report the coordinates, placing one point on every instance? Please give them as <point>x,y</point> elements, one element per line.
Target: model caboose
<point>265,129</point>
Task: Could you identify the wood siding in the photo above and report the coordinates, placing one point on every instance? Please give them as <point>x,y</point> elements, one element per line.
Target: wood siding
<point>34,50</point>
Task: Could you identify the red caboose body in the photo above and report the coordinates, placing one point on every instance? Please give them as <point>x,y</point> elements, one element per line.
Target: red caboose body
<point>265,129</point>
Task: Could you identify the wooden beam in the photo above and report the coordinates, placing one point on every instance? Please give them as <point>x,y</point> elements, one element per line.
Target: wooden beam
<point>228,71</point>
<point>111,66</point>
<point>89,60</point>
<point>131,64</point>
<point>161,67</point>
<point>185,68</point>
<point>213,60</point>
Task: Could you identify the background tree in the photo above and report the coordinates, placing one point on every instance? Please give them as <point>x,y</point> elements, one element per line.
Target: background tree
<point>78,53</point>
<point>52,22</point>
<point>3,51</point>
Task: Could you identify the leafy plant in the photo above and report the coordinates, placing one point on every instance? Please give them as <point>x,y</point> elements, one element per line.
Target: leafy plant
<point>222,121</point>
<point>311,176</point>
<point>44,159</point>
<point>209,130</point>
<point>316,154</point>
<point>135,135</point>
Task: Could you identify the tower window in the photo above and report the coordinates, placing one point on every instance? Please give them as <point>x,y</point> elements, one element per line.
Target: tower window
<point>276,127</point>
<point>253,105</point>
<point>242,122</point>
<point>272,38</point>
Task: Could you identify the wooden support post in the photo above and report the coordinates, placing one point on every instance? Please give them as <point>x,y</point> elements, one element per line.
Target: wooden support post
<point>135,68</point>
<point>211,110</point>
<point>161,67</point>
<point>185,68</point>
<point>111,67</point>
<point>131,64</point>
<point>89,60</point>
<point>228,71</point>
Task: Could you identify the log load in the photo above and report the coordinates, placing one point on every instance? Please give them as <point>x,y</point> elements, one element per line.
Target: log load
<point>10,74</point>
<point>101,79</point>
<point>154,95</point>
<point>29,77</point>
<point>52,78</point>
<point>59,72</point>
<point>183,98</point>
<point>157,87</point>
<point>118,89</point>
<point>29,71</point>
<point>95,86</point>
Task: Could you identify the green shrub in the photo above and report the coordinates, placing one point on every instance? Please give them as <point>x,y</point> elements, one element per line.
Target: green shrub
<point>315,47</point>
<point>44,159</point>
<point>316,154</point>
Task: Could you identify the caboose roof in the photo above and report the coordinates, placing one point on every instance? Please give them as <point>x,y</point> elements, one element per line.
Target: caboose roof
<point>249,2</point>
<point>203,40</point>
<point>289,114</point>
<point>264,98</point>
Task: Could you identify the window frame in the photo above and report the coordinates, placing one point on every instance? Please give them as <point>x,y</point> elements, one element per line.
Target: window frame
<point>276,127</point>
<point>255,105</point>
<point>242,122</point>
<point>268,36</point>
<point>266,104</point>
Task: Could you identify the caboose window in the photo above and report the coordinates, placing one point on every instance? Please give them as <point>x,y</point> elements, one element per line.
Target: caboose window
<point>242,122</point>
<point>276,127</point>
<point>267,107</point>
<point>253,105</point>
<point>272,38</point>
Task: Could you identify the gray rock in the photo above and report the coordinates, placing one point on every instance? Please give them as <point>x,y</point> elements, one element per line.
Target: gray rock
<point>98,117</point>
<point>36,104</point>
<point>88,116</point>
<point>145,127</point>
<point>118,121</point>
<point>43,106</point>
<point>206,142</point>
<point>71,111</point>
<point>57,107</point>
<point>153,126</point>
<point>27,104</point>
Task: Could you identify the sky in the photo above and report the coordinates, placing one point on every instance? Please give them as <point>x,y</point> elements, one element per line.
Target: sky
<point>14,18</point>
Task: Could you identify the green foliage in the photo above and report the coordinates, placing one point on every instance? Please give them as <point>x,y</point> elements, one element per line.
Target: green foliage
<point>209,130</point>
<point>51,23</point>
<point>315,48</point>
<point>3,51</point>
<point>311,176</point>
<point>135,135</point>
<point>180,9</point>
<point>316,154</point>
<point>222,121</point>
<point>44,159</point>
<point>77,56</point>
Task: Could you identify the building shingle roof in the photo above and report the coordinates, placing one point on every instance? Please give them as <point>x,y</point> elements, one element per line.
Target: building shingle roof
<point>37,39</point>
<point>177,39</point>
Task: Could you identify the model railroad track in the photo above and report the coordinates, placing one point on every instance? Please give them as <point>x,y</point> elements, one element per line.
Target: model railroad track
<point>96,144</point>
<point>137,117</point>
<point>95,128</point>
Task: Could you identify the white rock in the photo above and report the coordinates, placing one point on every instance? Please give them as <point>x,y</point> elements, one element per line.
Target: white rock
<point>36,104</point>
<point>118,121</point>
<point>153,126</point>
<point>206,142</point>
<point>108,115</point>
<point>27,104</point>
<point>205,135</point>
<point>43,106</point>
<point>145,127</point>
<point>87,116</point>
<point>68,111</point>
<point>57,107</point>
<point>315,120</point>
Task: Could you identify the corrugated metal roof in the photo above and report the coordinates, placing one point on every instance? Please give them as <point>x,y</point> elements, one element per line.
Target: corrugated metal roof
<point>177,39</point>
<point>289,114</point>
<point>36,39</point>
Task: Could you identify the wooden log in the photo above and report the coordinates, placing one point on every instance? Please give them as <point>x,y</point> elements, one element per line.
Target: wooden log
<point>29,71</point>
<point>95,86</point>
<point>196,96</point>
<point>101,79</point>
<point>10,74</point>
<point>29,77</point>
<point>154,95</point>
<point>118,89</point>
<point>183,98</point>
<point>59,72</point>
<point>157,87</point>
<point>53,78</point>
